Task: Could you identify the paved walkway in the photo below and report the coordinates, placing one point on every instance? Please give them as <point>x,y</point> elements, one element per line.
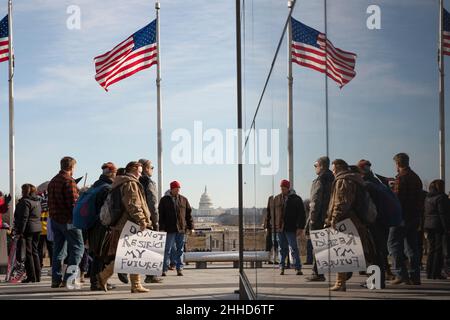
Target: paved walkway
<point>219,282</point>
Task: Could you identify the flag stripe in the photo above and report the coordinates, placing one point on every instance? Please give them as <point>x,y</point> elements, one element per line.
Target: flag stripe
<point>114,54</point>
<point>130,72</point>
<point>130,58</point>
<point>308,52</point>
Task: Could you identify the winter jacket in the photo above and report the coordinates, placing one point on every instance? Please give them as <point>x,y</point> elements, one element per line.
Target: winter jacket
<point>408,188</point>
<point>343,197</point>
<point>319,200</point>
<point>62,196</point>
<point>437,212</point>
<point>134,207</point>
<point>27,217</point>
<point>343,203</point>
<point>151,192</point>
<point>288,216</point>
<point>175,214</point>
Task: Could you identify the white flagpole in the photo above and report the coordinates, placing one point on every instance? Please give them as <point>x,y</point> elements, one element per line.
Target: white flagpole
<point>12,172</point>
<point>158,98</point>
<point>290,101</point>
<point>441,94</point>
<point>327,134</point>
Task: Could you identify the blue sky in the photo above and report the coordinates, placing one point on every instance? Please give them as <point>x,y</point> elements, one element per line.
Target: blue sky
<point>391,105</point>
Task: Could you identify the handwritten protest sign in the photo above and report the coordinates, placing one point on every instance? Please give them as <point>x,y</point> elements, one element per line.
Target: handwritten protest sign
<point>338,250</point>
<point>140,252</point>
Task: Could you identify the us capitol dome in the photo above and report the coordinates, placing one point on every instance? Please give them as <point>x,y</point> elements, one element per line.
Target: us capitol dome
<point>205,205</point>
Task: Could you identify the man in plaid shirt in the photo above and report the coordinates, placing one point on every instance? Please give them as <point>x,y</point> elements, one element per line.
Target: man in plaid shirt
<point>68,240</point>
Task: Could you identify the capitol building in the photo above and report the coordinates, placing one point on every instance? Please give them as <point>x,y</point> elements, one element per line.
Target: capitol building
<point>206,211</point>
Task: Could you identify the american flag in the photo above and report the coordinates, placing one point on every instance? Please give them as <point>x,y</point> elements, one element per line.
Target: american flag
<point>446,34</point>
<point>311,49</point>
<point>4,39</point>
<point>136,53</point>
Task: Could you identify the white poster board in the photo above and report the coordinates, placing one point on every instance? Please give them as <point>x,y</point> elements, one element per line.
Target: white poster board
<point>140,252</point>
<point>338,250</point>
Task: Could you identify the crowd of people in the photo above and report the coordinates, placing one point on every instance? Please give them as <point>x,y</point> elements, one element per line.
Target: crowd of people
<point>405,216</point>
<point>46,218</point>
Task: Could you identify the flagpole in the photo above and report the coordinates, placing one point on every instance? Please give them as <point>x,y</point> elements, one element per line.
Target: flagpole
<point>327,134</point>
<point>158,98</point>
<point>441,94</point>
<point>290,101</point>
<point>12,172</point>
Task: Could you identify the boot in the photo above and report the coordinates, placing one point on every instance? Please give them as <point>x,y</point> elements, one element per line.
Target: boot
<point>102,277</point>
<point>389,274</point>
<point>136,286</point>
<point>340,283</point>
<point>82,275</point>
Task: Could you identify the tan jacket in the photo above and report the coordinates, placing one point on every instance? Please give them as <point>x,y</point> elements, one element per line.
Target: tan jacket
<point>343,197</point>
<point>275,215</point>
<point>134,206</point>
<point>342,206</point>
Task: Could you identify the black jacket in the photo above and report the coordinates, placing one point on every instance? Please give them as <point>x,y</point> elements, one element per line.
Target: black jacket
<point>175,220</point>
<point>437,212</point>
<point>294,213</point>
<point>27,217</point>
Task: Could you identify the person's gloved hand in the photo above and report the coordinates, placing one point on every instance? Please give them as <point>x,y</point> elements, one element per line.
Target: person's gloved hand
<point>7,198</point>
<point>143,226</point>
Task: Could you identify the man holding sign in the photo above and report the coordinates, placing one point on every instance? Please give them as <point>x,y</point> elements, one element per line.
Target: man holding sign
<point>344,204</point>
<point>134,208</point>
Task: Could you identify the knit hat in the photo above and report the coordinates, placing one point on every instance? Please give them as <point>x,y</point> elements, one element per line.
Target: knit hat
<point>109,167</point>
<point>144,161</point>
<point>364,165</point>
<point>174,185</point>
<point>285,184</point>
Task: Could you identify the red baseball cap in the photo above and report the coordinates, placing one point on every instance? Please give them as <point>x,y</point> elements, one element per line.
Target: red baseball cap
<point>285,184</point>
<point>174,185</point>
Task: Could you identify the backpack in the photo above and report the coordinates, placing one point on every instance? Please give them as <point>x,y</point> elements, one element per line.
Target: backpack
<point>85,211</point>
<point>388,205</point>
<point>111,210</point>
<point>365,208</point>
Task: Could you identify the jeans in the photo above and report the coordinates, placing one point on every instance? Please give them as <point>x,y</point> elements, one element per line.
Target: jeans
<point>173,253</point>
<point>288,240</point>
<point>177,239</point>
<point>404,239</point>
<point>68,240</point>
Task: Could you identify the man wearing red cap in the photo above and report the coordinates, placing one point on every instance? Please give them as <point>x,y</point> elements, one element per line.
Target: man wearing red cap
<point>286,218</point>
<point>175,218</point>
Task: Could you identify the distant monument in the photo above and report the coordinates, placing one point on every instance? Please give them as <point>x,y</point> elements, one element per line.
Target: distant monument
<point>205,206</point>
